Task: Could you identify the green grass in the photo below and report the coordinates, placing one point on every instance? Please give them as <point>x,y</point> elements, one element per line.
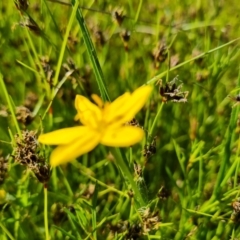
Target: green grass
<point>189,188</point>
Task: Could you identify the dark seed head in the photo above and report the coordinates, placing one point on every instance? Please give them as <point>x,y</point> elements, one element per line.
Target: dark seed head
<point>238,98</point>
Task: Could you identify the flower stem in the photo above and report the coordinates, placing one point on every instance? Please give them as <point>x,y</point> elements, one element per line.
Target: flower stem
<point>125,170</point>
<point>46,211</point>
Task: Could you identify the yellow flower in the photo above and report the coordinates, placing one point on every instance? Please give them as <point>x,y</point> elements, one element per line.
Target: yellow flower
<point>3,196</point>
<point>102,123</point>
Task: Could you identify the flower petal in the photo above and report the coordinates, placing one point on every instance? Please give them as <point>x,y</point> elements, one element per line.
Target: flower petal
<point>63,136</point>
<point>65,153</point>
<point>122,137</point>
<point>125,107</point>
<point>88,113</point>
<point>97,100</point>
<point>120,101</point>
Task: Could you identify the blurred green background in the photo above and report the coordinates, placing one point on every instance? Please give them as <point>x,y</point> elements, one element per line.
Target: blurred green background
<point>135,41</point>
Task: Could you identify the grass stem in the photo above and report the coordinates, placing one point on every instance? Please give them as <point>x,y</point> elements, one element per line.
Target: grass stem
<point>155,119</point>
<point>46,212</point>
<point>5,93</point>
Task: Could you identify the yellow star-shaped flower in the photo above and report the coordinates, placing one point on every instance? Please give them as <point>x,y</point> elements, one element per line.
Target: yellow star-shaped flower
<point>102,123</point>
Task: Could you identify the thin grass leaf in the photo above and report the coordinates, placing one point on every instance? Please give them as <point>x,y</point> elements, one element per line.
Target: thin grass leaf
<point>92,54</point>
